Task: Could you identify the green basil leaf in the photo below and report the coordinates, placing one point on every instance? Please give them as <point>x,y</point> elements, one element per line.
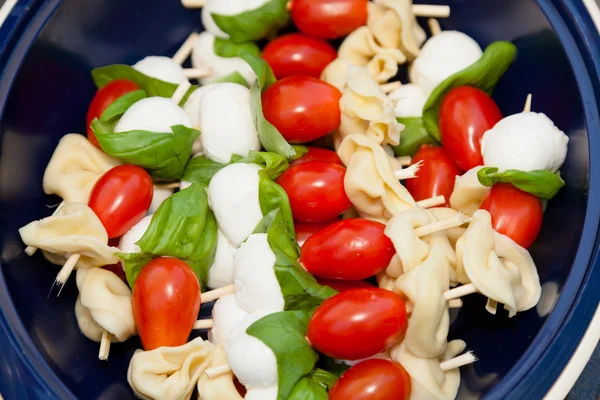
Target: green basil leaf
<point>541,183</point>
<point>413,136</point>
<point>484,74</point>
<point>255,24</point>
<point>273,163</point>
<point>122,104</point>
<point>133,263</point>
<point>271,197</point>
<point>300,151</point>
<point>300,290</point>
<point>285,334</point>
<point>308,389</point>
<point>186,228</point>
<point>269,136</point>
<point>324,378</point>
<point>261,68</point>
<point>227,49</point>
<point>102,76</point>
<point>164,155</point>
<point>234,77</point>
<point>200,170</point>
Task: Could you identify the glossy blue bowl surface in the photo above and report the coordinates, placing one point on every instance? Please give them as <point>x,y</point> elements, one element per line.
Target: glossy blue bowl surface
<point>48,50</point>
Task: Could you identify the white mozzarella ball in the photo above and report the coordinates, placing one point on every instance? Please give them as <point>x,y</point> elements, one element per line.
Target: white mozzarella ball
<point>226,314</point>
<point>408,100</point>
<point>262,393</point>
<point>153,114</point>
<point>220,273</point>
<point>184,185</point>
<point>226,123</point>
<point>526,141</point>
<point>162,68</point>
<point>256,285</point>
<point>252,362</point>
<point>192,104</point>
<point>203,56</point>
<point>229,7</point>
<point>158,197</point>
<point>442,56</point>
<point>233,197</point>
<point>128,240</point>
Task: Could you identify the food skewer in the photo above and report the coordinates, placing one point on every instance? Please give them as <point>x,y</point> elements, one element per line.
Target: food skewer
<point>203,324</point>
<point>172,185</point>
<point>408,173</point>
<point>196,73</point>
<point>186,49</point>
<point>448,365</point>
<point>104,346</point>
<point>460,291</point>
<point>180,92</point>
<point>434,26</point>
<point>30,250</point>
<point>432,202</point>
<point>527,107</point>
<point>420,10</point>
<point>65,272</point>
<point>217,293</point>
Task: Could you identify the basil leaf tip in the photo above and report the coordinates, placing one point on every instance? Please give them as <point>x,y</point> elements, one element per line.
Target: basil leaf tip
<point>541,183</point>
<point>227,49</point>
<point>412,137</point>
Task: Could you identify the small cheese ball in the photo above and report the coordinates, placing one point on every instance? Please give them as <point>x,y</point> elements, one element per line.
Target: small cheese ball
<point>526,141</point>
<point>233,197</point>
<point>226,123</point>
<point>226,314</point>
<point>203,56</point>
<point>153,114</point>
<point>229,7</point>
<point>220,273</point>
<point>162,68</point>
<point>158,197</point>
<point>408,100</point>
<point>442,56</point>
<point>128,240</point>
<point>192,104</point>
<point>256,285</point>
<point>252,362</point>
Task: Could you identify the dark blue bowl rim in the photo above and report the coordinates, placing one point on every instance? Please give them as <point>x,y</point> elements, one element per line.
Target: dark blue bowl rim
<point>542,363</point>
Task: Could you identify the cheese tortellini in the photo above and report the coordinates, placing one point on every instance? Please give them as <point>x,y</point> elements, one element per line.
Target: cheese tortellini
<point>74,169</point>
<point>105,298</point>
<point>468,193</point>
<point>74,228</point>
<point>370,182</point>
<point>221,387</point>
<point>169,372</point>
<point>499,268</point>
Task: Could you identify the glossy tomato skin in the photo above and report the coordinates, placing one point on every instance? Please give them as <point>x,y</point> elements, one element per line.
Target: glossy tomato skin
<point>302,108</point>
<point>373,380</point>
<point>304,230</point>
<point>121,198</point>
<point>357,323</point>
<point>319,154</point>
<point>329,19</point>
<point>105,97</point>
<point>466,113</point>
<point>342,286</point>
<point>351,249</point>
<point>316,191</point>
<point>165,301</point>
<point>435,177</point>
<point>298,54</point>
<point>515,213</point>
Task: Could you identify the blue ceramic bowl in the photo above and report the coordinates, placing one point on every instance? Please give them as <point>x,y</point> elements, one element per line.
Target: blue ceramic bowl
<point>47,51</point>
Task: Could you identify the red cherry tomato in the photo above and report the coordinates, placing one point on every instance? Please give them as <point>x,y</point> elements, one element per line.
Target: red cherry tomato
<point>297,54</point>
<point>373,380</point>
<point>342,286</point>
<point>436,175</point>
<point>302,108</point>
<point>117,269</point>
<point>357,323</point>
<point>329,19</point>
<point>466,114</point>
<point>319,154</point>
<point>121,198</point>
<point>105,97</point>
<point>316,191</point>
<point>515,213</point>
<point>351,249</point>
<point>166,301</point>
<point>304,230</point>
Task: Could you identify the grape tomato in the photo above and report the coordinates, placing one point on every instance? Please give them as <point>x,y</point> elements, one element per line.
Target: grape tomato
<point>357,323</point>
<point>436,175</point>
<point>298,54</point>
<point>319,154</point>
<point>329,19</point>
<point>304,230</point>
